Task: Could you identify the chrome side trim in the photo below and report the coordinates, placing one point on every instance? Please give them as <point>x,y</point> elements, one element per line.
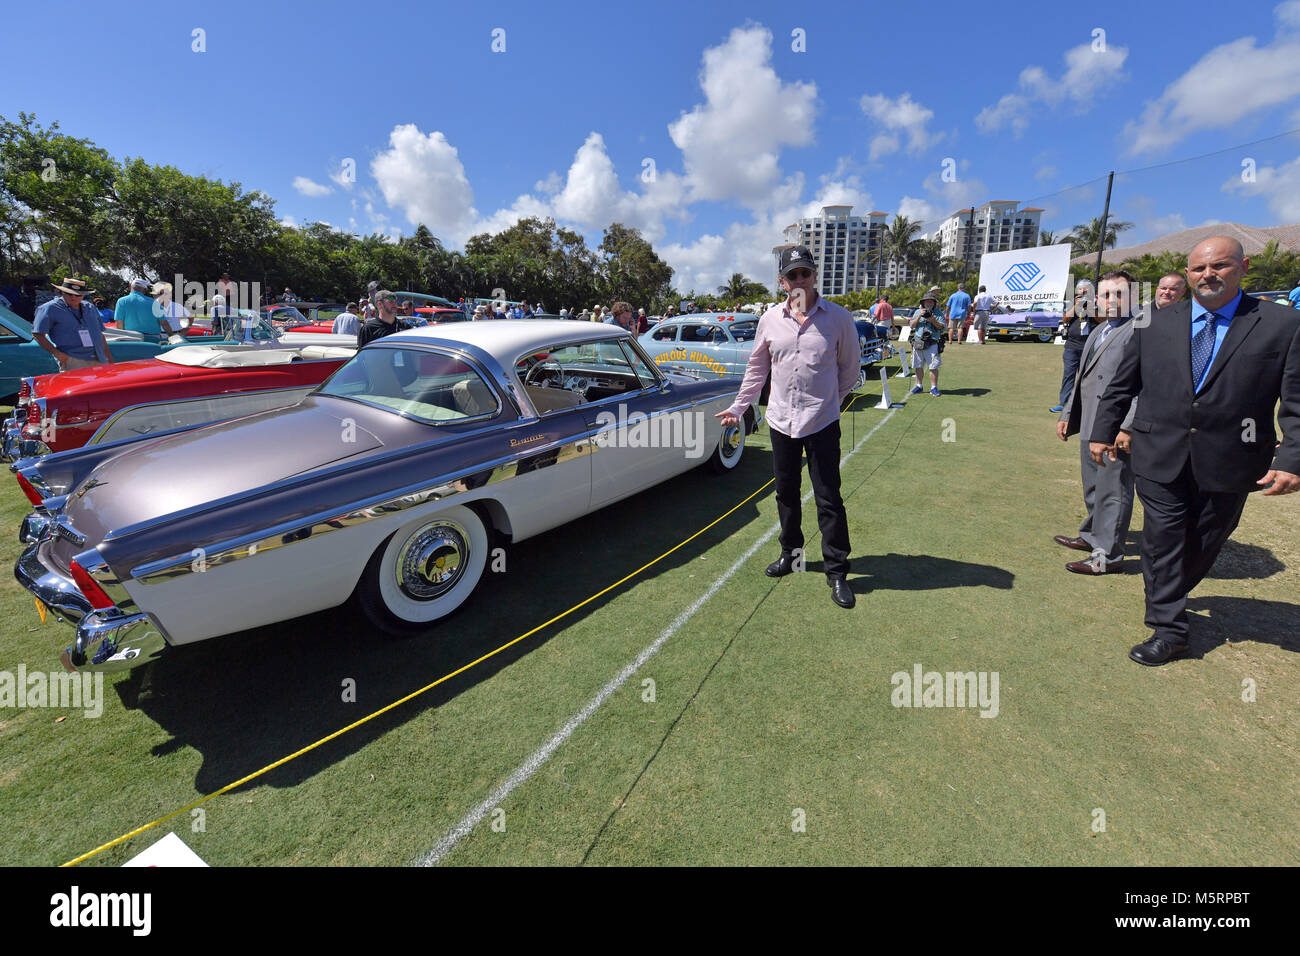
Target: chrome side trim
<point>437,489</point>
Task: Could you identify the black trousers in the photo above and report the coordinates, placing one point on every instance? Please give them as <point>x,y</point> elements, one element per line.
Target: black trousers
<point>823,449</point>
<point>1070,359</point>
<point>1183,531</point>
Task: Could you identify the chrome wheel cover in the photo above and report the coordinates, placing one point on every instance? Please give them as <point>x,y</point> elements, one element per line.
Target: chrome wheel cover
<point>432,560</point>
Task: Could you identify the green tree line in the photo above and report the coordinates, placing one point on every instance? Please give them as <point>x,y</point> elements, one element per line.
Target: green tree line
<point>68,208</point>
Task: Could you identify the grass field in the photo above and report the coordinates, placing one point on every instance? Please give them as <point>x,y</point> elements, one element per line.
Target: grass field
<point>768,735</point>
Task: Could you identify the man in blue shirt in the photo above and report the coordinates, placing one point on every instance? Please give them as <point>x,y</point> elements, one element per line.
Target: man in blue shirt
<point>134,312</point>
<point>957,309</point>
<point>1294,295</point>
<point>69,328</point>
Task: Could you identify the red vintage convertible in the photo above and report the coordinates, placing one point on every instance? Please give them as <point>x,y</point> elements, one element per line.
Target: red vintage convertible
<point>183,387</point>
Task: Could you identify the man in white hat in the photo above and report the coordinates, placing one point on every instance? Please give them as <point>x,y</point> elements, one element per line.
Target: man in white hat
<point>927,335</point>
<point>134,312</point>
<point>70,329</point>
<point>165,308</point>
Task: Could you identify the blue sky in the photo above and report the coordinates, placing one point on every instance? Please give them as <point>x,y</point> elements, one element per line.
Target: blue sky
<point>701,124</point>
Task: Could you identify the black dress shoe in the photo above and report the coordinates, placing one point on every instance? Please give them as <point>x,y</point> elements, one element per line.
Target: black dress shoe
<point>840,592</point>
<point>1077,543</point>
<point>1157,651</point>
<point>780,567</point>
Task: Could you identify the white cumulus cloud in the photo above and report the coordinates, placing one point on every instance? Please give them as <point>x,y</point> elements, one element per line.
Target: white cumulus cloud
<point>730,144</point>
<point>1279,186</point>
<point>1230,83</point>
<point>421,174</point>
<point>898,117</point>
<point>308,187</point>
<point>1088,73</point>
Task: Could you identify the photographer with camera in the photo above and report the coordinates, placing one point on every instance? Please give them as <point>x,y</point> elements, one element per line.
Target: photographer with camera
<point>927,341</point>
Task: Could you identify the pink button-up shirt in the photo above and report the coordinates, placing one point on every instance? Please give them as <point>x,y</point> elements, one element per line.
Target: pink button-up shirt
<point>813,366</point>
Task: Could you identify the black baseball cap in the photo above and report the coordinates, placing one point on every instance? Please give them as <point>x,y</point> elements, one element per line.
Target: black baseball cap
<point>796,257</point>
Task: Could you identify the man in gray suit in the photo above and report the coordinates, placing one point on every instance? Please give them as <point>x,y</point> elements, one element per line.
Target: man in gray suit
<point>1107,492</point>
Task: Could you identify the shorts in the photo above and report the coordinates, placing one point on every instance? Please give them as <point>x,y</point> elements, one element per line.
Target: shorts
<point>981,321</point>
<point>74,362</point>
<point>955,323</point>
<point>926,358</point>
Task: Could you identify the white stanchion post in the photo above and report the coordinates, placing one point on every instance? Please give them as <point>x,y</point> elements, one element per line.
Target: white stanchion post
<point>884,386</point>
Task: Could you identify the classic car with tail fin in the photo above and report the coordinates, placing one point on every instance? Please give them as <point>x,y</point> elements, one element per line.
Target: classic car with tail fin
<point>382,485</point>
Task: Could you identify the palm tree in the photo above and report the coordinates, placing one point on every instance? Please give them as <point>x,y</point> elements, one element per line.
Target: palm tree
<point>951,268</point>
<point>927,255</point>
<point>1084,239</point>
<point>1047,238</point>
<point>896,242</point>
<point>735,287</point>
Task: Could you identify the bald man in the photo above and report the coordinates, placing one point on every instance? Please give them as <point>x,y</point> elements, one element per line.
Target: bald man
<point>1208,376</point>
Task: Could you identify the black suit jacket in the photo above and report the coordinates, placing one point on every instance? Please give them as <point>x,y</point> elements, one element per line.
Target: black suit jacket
<point>1225,429</point>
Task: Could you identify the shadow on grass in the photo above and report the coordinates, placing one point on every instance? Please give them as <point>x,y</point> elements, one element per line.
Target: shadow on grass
<point>969,392</point>
<point>1233,619</point>
<point>1239,561</point>
<point>246,700</point>
<point>919,572</point>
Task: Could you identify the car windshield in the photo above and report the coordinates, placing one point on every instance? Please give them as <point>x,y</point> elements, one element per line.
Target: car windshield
<point>430,386</point>
<point>230,328</point>
<point>1047,305</point>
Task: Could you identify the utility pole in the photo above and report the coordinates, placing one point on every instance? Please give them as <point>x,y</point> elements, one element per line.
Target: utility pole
<point>1101,239</point>
<point>965,258</point>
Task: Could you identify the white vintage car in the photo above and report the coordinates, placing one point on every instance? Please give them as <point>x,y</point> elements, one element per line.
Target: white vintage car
<point>383,484</point>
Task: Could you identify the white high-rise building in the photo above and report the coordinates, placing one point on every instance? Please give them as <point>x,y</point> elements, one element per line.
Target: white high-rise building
<point>993,227</point>
<point>845,248</point>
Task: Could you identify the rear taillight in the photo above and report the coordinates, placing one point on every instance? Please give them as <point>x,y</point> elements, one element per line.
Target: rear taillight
<point>34,414</point>
<point>24,391</point>
<point>89,587</point>
<point>32,494</point>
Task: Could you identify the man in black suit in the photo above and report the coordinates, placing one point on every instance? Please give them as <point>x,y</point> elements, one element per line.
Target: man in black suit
<point>1208,374</point>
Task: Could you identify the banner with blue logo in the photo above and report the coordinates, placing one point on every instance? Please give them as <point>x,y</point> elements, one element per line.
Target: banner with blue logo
<point>1021,277</point>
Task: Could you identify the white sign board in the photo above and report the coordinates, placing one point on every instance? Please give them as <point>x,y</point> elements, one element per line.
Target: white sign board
<point>1023,276</point>
<point>169,851</point>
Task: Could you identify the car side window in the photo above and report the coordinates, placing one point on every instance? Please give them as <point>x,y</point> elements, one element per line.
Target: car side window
<point>697,333</point>
<point>664,334</point>
<point>564,376</point>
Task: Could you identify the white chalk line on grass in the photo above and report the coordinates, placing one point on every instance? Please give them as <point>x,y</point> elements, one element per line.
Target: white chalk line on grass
<point>543,753</point>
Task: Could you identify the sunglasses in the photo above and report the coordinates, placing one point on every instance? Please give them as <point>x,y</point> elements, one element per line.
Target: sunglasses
<point>799,274</point>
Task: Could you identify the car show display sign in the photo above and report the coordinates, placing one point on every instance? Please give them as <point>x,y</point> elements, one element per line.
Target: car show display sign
<point>1022,276</point>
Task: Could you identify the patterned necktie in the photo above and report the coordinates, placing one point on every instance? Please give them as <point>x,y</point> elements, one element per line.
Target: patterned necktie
<point>1203,348</point>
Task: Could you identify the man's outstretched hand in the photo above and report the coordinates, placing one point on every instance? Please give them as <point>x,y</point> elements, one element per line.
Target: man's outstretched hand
<point>728,419</point>
<point>1279,483</point>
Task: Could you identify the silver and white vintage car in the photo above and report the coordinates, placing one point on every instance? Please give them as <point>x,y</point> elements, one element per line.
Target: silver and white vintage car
<point>383,484</point>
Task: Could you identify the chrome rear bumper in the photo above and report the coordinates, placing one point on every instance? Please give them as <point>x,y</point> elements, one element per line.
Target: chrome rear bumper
<point>105,640</point>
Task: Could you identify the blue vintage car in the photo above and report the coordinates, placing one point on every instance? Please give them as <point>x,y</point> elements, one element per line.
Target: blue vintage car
<point>21,357</point>
<point>714,343</point>
<point>719,344</point>
<point>1038,322</point>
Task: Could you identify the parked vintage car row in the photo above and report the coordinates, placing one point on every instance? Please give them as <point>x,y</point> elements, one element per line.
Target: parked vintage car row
<point>382,484</point>
<point>719,344</point>
<point>66,410</point>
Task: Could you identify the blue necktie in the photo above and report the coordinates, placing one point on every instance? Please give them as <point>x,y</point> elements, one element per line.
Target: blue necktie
<point>1203,348</point>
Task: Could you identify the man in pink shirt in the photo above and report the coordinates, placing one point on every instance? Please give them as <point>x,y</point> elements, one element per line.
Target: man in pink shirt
<point>810,347</point>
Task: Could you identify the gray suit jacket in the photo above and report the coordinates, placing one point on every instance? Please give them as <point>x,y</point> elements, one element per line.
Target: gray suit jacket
<point>1097,367</point>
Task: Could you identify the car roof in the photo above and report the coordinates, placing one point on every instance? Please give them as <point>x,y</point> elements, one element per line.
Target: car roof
<point>711,317</point>
<point>506,338</point>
